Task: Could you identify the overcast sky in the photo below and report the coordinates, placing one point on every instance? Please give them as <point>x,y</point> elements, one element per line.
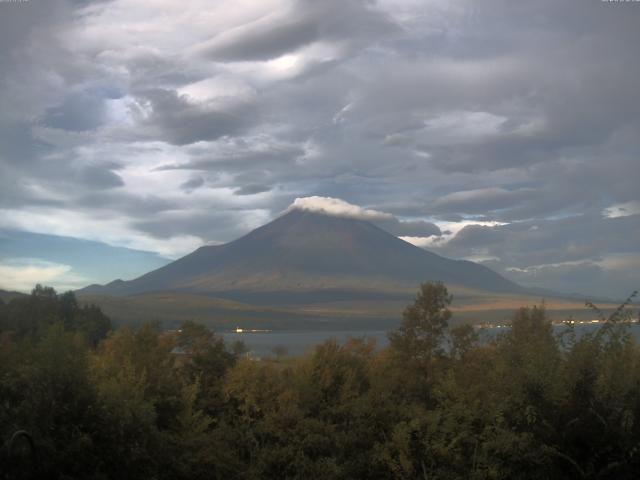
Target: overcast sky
<point>499,131</point>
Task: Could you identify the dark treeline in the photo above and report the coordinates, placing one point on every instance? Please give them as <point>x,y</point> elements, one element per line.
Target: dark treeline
<point>436,404</point>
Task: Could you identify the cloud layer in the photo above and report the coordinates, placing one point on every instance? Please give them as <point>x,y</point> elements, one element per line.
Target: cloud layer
<point>341,208</point>
<point>22,274</point>
<point>507,134</point>
<point>337,207</point>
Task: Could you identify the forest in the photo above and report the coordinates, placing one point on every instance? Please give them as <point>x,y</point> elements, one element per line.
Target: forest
<point>82,400</point>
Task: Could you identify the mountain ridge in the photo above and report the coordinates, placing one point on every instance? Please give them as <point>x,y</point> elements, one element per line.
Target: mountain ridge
<point>7,295</point>
<point>303,251</point>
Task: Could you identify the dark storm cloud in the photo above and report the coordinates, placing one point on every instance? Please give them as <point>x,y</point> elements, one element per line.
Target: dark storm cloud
<point>553,87</point>
<point>192,184</point>
<point>524,113</point>
<point>252,189</point>
<point>481,200</point>
<point>451,217</point>
<point>243,161</point>
<point>551,241</point>
<point>585,278</point>
<point>418,228</point>
<point>249,158</point>
<point>529,251</point>
<point>19,146</point>
<point>217,227</point>
<point>181,122</point>
<point>99,178</point>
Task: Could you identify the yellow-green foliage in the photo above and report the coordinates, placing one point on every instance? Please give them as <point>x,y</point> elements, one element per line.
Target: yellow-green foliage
<point>435,404</point>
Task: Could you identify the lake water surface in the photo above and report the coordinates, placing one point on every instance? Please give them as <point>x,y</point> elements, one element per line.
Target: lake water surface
<point>299,342</point>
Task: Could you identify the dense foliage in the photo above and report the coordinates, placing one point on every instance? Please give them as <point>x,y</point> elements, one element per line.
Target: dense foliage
<point>435,404</point>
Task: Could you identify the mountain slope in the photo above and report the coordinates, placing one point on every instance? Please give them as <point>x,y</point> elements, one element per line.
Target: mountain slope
<point>7,296</point>
<point>305,251</point>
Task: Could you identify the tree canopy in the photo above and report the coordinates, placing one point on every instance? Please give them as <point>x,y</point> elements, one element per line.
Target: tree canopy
<point>531,403</point>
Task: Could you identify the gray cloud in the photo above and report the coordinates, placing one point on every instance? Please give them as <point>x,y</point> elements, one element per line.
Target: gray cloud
<point>262,39</point>
<point>522,113</point>
<point>216,227</point>
<point>100,178</point>
<point>305,22</point>
<point>174,119</point>
<point>109,201</point>
<point>252,189</point>
<point>418,228</point>
<point>79,112</point>
<point>613,277</point>
<point>552,241</point>
<point>482,200</point>
<point>242,155</point>
<point>192,184</point>
<point>557,251</point>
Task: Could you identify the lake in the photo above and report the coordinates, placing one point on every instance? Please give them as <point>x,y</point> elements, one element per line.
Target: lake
<point>261,344</point>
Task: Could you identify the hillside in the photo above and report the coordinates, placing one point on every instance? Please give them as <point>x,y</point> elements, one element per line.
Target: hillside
<point>6,295</point>
<point>304,256</point>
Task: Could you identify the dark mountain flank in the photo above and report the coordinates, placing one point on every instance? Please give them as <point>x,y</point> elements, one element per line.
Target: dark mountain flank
<point>306,253</point>
<point>7,296</point>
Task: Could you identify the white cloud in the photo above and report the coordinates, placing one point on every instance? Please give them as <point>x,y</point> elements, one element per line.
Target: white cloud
<point>622,210</point>
<point>479,194</point>
<point>613,262</point>
<point>454,227</point>
<point>534,269</point>
<point>112,231</point>
<point>337,208</point>
<point>450,230</point>
<point>341,115</point>
<point>221,86</point>
<point>22,274</point>
<point>463,125</point>
<point>290,65</point>
<point>620,261</point>
<point>422,242</point>
<point>169,26</point>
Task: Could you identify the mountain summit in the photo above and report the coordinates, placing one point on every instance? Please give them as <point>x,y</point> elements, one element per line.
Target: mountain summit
<point>304,251</point>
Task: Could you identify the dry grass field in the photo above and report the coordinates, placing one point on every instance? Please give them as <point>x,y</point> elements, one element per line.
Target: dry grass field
<point>469,306</point>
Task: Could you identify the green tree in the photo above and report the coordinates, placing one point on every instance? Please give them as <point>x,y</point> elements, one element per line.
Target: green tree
<point>45,389</point>
<point>31,316</point>
<point>204,358</point>
<point>463,339</point>
<point>424,324</point>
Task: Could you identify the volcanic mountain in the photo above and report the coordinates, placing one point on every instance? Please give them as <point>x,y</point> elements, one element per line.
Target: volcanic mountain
<point>308,253</point>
